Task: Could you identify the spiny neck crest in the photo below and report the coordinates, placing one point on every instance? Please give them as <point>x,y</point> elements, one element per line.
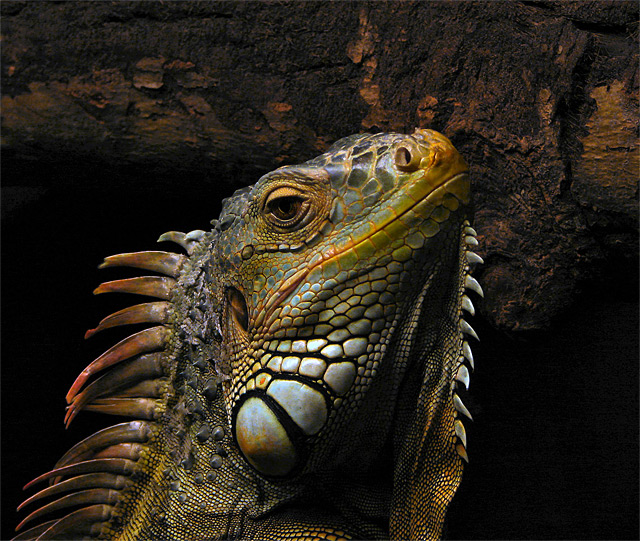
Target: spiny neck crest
<point>465,361</point>
<point>148,377</point>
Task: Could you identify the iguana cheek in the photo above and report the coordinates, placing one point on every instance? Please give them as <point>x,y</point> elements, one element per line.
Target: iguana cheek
<point>260,424</point>
<point>263,440</point>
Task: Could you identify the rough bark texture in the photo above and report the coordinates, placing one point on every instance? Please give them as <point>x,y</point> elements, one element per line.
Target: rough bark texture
<point>541,98</point>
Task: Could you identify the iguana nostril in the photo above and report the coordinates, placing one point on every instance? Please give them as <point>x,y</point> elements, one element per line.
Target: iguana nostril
<point>403,157</point>
<point>408,155</point>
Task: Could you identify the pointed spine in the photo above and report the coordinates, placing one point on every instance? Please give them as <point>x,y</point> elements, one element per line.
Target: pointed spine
<point>142,342</point>
<point>460,432</point>
<point>80,518</point>
<point>114,382</point>
<point>120,466</point>
<point>471,283</point>
<point>134,431</point>
<point>468,329</point>
<point>463,376</point>
<point>150,312</point>
<point>466,351</point>
<point>163,262</point>
<point>177,237</point>
<point>457,403</point>
<point>460,449</point>
<point>470,241</point>
<point>139,408</point>
<point>89,480</point>
<point>468,305</point>
<point>151,286</point>
<point>474,258</point>
<point>84,497</point>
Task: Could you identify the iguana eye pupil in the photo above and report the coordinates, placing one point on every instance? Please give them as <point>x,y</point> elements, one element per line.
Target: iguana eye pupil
<point>285,208</point>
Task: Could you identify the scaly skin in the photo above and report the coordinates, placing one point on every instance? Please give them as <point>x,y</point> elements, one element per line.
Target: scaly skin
<point>300,381</point>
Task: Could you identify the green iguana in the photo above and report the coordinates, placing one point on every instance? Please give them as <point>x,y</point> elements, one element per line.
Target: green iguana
<point>298,378</point>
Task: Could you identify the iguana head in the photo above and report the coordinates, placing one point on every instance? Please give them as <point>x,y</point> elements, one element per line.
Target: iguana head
<point>317,262</point>
<point>313,337</point>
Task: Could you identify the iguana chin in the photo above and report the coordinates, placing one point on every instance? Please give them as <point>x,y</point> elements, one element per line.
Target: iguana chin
<point>298,376</point>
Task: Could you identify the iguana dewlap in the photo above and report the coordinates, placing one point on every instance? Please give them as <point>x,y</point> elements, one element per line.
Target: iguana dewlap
<point>298,375</point>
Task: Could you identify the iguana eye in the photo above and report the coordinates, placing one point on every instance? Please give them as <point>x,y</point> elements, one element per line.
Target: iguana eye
<point>286,207</point>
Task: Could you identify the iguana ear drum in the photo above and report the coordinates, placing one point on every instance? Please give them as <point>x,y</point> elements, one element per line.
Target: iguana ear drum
<point>238,307</point>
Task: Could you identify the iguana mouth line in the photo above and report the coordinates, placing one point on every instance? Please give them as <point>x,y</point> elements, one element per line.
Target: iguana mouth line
<point>292,283</point>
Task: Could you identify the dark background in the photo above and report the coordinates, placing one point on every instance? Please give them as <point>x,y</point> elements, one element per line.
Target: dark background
<point>123,120</point>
